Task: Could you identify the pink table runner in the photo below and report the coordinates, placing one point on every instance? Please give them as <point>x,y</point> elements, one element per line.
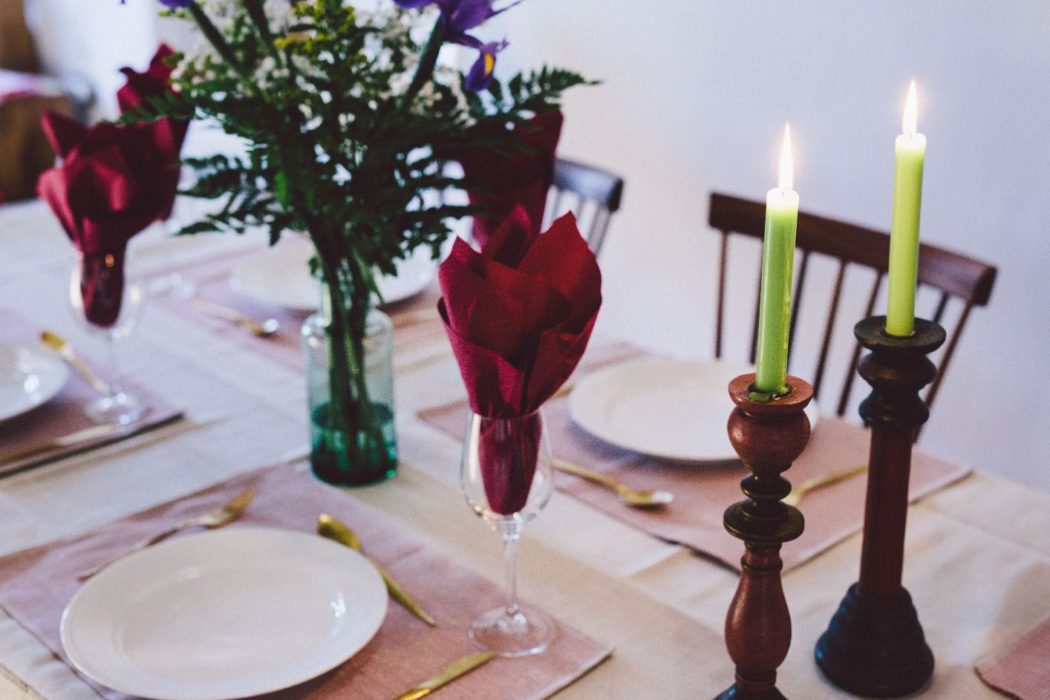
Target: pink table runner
<point>703,491</point>
<point>36,584</point>
<point>64,414</point>
<point>1021,668</point>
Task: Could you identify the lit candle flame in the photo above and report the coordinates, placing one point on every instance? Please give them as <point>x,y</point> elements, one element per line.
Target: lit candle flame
<point>910,122</point>
<point>786,180</point>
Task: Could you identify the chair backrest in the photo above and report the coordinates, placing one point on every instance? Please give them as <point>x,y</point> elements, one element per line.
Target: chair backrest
<point>17,51</point>
<point>953,275</point>
<point>592,194</point>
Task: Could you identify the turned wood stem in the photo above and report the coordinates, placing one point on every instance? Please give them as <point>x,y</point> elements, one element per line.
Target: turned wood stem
<point>768,437</point>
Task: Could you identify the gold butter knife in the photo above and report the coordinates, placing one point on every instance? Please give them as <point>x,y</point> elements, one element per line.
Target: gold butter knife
<point>451,672</point>
<point>332,529</point>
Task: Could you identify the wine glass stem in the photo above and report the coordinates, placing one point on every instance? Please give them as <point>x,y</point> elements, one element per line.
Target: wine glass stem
<point>116,379</point>
<point>510,528</point>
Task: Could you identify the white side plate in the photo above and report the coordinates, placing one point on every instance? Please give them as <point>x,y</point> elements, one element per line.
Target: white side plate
<point>664,407</point>
<point>280,276</point>
<point>224,614</point>
<point>28,378</point>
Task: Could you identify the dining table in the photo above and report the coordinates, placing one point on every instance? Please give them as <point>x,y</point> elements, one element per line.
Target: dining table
<point>977,559</point>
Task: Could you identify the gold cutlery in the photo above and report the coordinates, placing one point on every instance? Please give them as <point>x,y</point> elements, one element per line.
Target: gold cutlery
<point>457,668</point>
<point>262,330</point>
<point>632,497</point>
<point>214,518</point>
<point>411,318</point>
<point>63,349</point>
<point>818,482</point>
<point>332,529</point>
<point>78,438</point>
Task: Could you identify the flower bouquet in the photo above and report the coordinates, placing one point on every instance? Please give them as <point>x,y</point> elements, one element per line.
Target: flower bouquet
<point>350,122</point>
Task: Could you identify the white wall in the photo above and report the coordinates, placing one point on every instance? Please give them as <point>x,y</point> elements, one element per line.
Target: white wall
<point>694,98</point>
<point>94,38</point>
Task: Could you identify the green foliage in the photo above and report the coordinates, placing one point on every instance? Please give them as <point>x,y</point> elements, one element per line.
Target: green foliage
<point>334,147</point>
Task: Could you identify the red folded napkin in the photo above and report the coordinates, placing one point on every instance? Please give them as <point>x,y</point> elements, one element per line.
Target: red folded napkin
<point>106,190</point>
<point>518,315</point>
<point>500,182</point>
<point>139,90</point>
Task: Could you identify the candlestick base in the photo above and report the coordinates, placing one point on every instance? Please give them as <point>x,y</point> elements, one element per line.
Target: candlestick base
<point>875,648</point>
<point>737,692</point>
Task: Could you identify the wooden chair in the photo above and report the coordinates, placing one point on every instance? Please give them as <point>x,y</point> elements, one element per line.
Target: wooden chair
<point>957,279</point>
<point>593,195</point>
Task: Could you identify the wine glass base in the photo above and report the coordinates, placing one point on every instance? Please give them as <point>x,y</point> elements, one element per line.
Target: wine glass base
<point>528,632</point>
<point>119,409</point>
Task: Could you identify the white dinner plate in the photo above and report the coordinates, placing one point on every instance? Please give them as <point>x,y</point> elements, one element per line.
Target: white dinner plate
<point>280,276</point>
<point>664,407</point>
<point>28,378</point>
<point>224,614</point>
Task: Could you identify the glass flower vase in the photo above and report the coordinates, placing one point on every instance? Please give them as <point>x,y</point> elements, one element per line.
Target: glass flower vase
<point>350,397</point>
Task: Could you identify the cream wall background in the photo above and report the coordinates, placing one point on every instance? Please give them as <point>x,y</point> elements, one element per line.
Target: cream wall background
<point>694,98</point>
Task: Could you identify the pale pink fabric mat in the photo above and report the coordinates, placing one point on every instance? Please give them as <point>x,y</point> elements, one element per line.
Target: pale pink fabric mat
<point>36,584</point>
<point>210,282</point>
<point>64,414</point>
<point>1020,668</point>
<point>703,491</point>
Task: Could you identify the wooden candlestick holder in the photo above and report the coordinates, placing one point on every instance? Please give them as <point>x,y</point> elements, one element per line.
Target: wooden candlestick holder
<point>874,645</point>
<point>768,437</point>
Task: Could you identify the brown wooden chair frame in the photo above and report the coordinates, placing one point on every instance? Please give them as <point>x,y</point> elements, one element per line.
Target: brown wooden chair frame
<point>953,274</point>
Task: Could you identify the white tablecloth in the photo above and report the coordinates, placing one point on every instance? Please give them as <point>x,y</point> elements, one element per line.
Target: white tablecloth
<point>978,560</point>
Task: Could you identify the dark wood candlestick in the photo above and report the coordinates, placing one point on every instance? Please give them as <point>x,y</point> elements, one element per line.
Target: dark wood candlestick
<point>874,645</point>
<point>768,436</point>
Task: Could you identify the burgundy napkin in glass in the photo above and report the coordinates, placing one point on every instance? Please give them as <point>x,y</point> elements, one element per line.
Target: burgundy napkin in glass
<point>108,187</point>
<point>500,182</point>
<point>139,90</point>
<point>518,315</point>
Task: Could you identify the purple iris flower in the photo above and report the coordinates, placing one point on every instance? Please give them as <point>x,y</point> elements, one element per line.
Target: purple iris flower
<point>481,72</point>
<point>459,16</point>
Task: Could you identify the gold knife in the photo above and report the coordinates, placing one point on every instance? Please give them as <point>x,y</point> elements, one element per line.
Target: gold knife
<point>95,436</point>
<point>330,528</point>
<point>451,672</point>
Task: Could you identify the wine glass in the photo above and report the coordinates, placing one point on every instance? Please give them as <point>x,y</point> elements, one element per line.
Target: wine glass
<point>107,305</point>
<point>506,477</point>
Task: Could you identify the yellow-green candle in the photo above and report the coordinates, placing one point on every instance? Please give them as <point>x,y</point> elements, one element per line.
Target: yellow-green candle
<point>778,262</point>
<point>904,232</point>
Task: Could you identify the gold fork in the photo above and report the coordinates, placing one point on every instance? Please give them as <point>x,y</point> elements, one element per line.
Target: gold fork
<point>635,498</point>
<point>217,517</point>
<point>818,482</point>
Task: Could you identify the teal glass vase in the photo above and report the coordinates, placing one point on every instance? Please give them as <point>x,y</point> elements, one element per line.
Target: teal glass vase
<point>350,399</point>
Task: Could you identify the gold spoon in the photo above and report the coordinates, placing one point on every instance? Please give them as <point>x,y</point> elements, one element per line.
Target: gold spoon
<point>818,482</point>
<point>635,498</point>
<point>210,520</point>
<point>262,330</point>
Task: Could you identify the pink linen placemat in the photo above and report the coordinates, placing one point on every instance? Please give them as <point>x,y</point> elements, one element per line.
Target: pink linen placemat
<point>64,414</point>
<point>1021,668</point>
<point>36,584</point>
<point>703,491</point>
